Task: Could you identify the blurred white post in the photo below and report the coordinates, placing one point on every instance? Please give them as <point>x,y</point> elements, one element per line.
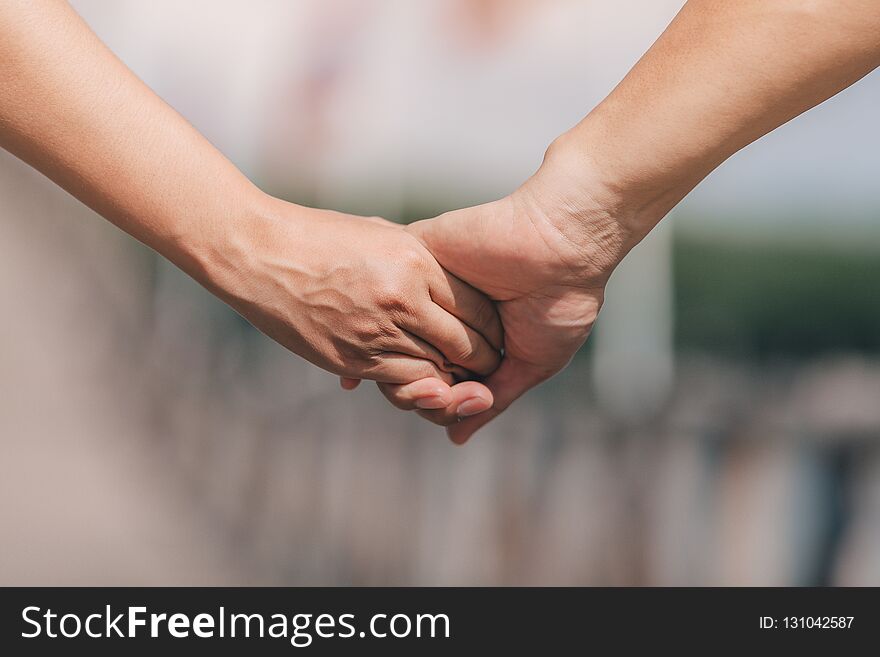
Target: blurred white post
<point>633,365</point>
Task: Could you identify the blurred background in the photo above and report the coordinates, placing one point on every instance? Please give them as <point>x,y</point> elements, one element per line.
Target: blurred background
<point>722,427</point>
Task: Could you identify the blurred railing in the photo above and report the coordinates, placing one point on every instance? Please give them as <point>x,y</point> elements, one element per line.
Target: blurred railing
<point>113,363</point>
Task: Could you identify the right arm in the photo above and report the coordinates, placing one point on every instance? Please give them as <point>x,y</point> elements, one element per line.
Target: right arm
<point>724,73</point>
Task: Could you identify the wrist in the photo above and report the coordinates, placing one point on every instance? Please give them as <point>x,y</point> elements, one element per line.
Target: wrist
<point>599,203</point>
<point>621,173</point>
<point>582,209</point>
<point>217,245</point>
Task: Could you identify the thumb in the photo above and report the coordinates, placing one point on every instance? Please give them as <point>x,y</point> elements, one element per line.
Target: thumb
<point>451,236</point>
<point>512,378</point>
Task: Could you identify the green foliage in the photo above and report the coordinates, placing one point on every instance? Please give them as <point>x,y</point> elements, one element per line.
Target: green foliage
<point>761,300</point>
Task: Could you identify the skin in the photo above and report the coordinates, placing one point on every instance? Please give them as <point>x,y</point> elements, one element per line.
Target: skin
<point>357,296</point>
<point>722,75</point>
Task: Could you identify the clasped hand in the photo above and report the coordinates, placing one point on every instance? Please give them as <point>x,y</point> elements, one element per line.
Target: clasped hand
<point>454,317</point>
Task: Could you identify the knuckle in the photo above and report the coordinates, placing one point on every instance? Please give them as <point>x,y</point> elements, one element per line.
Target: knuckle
<point>350,360</point>
<point>374,335</point>
<point>375,367</point>
<point>411,258</point>
<point>427,370</point>
<point>393,296</point>
<point>466,353</point>
<point>362,350</point>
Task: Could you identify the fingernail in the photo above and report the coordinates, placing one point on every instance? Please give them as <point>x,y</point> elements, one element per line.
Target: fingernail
<point>431,403</point>
<point>472,407</point>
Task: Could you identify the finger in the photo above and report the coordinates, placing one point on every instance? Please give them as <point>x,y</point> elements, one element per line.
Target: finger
<point>412,345</point>
<point>423,394</point>
<point>459,343</point>
<point>348,383</point>
<point>468,400</point>
<point>402,368</point>
<point>470,306</point>
<point>512,378</point>
<point>406,342</point>
<point>469,397</point>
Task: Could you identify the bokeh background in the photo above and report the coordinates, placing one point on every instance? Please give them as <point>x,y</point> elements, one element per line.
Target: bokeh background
<point>721,427</point>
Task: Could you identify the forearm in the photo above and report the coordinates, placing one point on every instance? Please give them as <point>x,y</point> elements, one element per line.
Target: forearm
<point>73,111</point>
<point>357,297</point>
<point>722,75</point>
